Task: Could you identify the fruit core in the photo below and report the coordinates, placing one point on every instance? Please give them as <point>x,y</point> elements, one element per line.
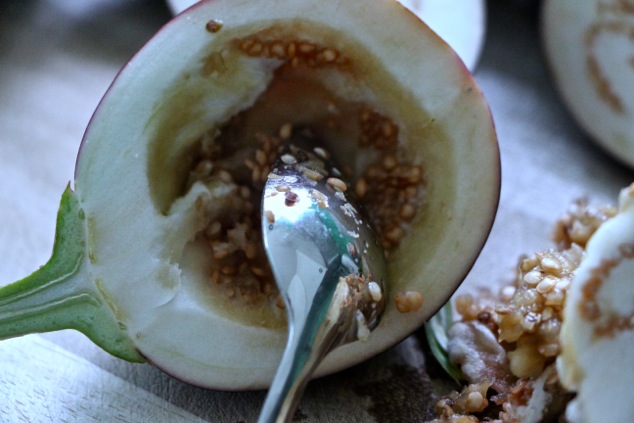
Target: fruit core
<point>319,83</point>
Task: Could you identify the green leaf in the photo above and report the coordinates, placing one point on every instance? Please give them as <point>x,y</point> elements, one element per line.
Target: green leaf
<point>61,295</point>
<point>436,331</point>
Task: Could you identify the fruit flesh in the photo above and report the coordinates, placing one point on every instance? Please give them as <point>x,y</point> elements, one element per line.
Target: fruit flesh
<point>139,225</point>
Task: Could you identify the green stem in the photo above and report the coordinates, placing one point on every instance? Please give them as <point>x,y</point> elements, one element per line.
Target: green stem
<point>61,295</point>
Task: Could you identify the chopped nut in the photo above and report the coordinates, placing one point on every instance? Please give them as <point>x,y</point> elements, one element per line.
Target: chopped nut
<point>546,285</point>
<point>533,277</point>
<point>550,265</point>
<point>475,401</point>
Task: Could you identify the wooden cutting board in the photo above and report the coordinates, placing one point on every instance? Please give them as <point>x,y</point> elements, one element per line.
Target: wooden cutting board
<point>57,60</point>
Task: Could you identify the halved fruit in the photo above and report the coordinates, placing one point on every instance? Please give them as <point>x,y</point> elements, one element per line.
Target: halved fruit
<point>597,334</point>
<point>590,50</point>
<point>157,242</point>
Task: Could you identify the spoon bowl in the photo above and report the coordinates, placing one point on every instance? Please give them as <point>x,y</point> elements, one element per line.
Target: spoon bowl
<point>327,262</point>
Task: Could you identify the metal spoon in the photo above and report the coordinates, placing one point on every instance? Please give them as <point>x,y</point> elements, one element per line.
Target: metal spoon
<point>328,265</point>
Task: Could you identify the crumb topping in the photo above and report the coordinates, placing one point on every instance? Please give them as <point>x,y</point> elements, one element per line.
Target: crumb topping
<point>506,342</point>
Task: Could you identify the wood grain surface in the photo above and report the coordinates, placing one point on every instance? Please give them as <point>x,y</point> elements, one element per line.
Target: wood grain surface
<point>57,59</point>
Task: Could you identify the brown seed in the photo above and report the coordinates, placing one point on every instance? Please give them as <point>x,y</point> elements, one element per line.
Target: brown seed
<point>247,44</point>
<point>291,198</point>
<point>268,288</point>
<point>387,129</point>
<point>250,164</point>
<point>260,157</point>
<point>279,302</point>
<point>389,162</point>
<point>484,316</point>
<point>375,173</point>
<point>408,301</point>
<point>306,48</point>
<point>288,159</point>
<point>283,188</point>
<point>213,231</point>
<point>245,192</point>
<point>264,173</point>
<point>278,50</point>
<point>414,174</point>
<point>221,249</point>
<point>312,174</point>
<point>411,192</point>
<point>258,271</point>
<point>270,217</point>
<point>228,270</point>
<point>251,250</point>
<point>320,198</point>
<point>220,254</point>
<point>329,55</point>
<point>286,131</point>
<point>256,173</point>
<point>337,184</point>
<point>394,234</point>
<point>256,48</point>
<point>291,50</point>
<point>321,153</point>
<point>213,26</point>
<point>225,176</point>
<point>361,187</point>
<point>204,168</point>
<point>407,211</point>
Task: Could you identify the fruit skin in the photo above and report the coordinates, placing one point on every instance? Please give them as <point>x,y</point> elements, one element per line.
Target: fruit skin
<point>597,334</point>
<point>135,241</point>
<point>589,48</point>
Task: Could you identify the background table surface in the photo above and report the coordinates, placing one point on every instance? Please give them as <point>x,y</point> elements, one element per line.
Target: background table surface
<point>57,59</point>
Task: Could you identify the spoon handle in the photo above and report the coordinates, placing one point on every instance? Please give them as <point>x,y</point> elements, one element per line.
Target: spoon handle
<point>311,338</point>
